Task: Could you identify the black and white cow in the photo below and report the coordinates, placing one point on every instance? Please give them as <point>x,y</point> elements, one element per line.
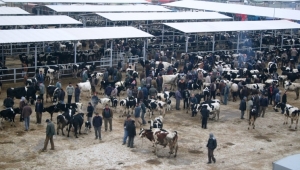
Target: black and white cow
<point>76,122</point>
<point>128,104</point>
<point>156,122</point>
<point>271,68</point>
<point>28,92</point>
<point>9,114</point>
<point>32,82</point>
<point>289,112</point>
<point>63,120</point>
<point>52,92</point>
<point>155,105</point>
<point>213,107</point>
<point>292,87</point>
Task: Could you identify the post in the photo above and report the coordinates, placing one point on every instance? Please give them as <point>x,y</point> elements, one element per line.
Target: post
<point>238,43</point>
<point>260,43</point>
<point>10,48</point>
<point>173,42</point>
<point>186,43</point>
<point>15,76</point>
<point>43,46</point>
<point>35,56</point>
<point>291,33</point>
<point>162,38</point>
<point>144,50</point>
<point>28,50</point>
<point>111,49</point>
<point>2,54</point>
<point>75,48</point>
<point>213,44</point>
<point>281,40</point>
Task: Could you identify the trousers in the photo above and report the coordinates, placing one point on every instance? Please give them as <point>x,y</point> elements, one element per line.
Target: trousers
<point>69,99</point>
<point>177,103</point>
<point>262,110</point>
<point>211,155</point>
<point>97,132</point>
<point>242,114</point>
<point>26,122</point>
<point>39,117</point>
<point>125,136</point>
<point>204,122</point>
<point>47,141</point>
<point>108,120</point>
<point>130,141</point>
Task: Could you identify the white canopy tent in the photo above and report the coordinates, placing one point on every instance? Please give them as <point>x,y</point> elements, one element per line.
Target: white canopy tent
<point>12,11</point>
<point>2,3</point>
<point>37,20</point>
<point>238,9</point>
<point>70,34</point>
<point>80,1</point>
<point>162,16</point>
<point>198,27</point>
<point>107,8</point>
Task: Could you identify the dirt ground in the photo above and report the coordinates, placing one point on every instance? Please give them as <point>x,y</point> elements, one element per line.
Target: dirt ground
<point>238,148</point>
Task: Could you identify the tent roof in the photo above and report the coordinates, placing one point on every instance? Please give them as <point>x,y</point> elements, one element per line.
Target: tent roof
<point>69,34</point>
<point>106,8</point>
<point>37,20</point>
<point>162,16</point>
<point>2,3</point>
<point>11,11</point>
<point>289,162</point>
<point>238,9</point>
<point>79,1</point>
<point>196,27</point>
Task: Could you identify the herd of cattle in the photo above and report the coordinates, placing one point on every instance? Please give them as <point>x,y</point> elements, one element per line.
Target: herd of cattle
<point>262,77</point>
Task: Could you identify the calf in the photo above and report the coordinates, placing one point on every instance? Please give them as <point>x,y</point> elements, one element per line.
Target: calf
<point>156,123</point>
<point>292,87</point>
<point>9,114</point>
<point>87,126</point>
<point>289,112</point>
<point>128,103</point>
<point>76,122</point>
<point>85,87</point>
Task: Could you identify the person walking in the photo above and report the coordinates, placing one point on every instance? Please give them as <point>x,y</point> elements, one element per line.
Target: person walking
<point>27,111</point>
<point>90,111</point>
<point>70,90</point>
<point>42,91</point>
<point>205,115</point>
<point>39,110</point>
<point>131,130</point>
<point>58,84</point>
<point>226,92</point>
<point>62,96</point>
<point>243,107</point>
<point>153,91</point>
<point>143,107</point>
<point>97,123</point>
<point>108,90</point>
<point>95,100</point>
<point>211,146</point>
<point>128,119</point>
<point>137,114</point>
<point>277,98</point>
<point>140,95</point>
<point>77,93</point>
<point>21,105</point>
<point>249,107</point>
<point>50,131</point>
<point>107,116</point>
<point>178,98</point>
<point>194,101</point>
<point>263,105</point>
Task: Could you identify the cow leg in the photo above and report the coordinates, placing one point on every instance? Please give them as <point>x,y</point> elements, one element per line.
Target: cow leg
<point>51,114</point>
<point>176,148</point>
<point>291,122</point>
<point>79,128</point>
<point>296,122</point>
<point>297,93</point>
<point>69,130</point>
<point>57,129</point>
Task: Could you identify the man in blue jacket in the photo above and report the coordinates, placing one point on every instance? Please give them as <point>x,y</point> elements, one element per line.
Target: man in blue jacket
<point>211,146</point>
<point>38,110</point>
<point>97,123</point>
<point>137,114</point>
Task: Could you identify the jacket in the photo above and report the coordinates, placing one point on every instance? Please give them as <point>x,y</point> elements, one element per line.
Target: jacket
<point>145,92</point>
<point>152,91</point>
<point>178,95</point>
<point>108,90</point>
<point>243,106</point>
<point>77,92</point>
<point>143,107</point>
<point>212,143</point>
<point>85,77</point>
<point>194,100</point>
<point>205,113</point>
<point>40,78</point>
<point>21,105</point>
<point>134,93</point>
<point>62,95</point>
<point>130,127</point>
<point>137,112</point>
<point>26,111</point>
<point>226,90</point>
<point>277,97</point>
<point>207,79</point>
<point>42,88</point>
<point>140,94</point>
<point>39,107</point>
<point>263,102</point>
<point>107,113</point>
<point>284,100</point>
<point>50,129</point>
<point>90,110</point>
<point>8,102</point>
<point>249,104</point>
<point>129,93</point>
<point>97,121</point>
<point>58,85</point>
<point>70,90</point>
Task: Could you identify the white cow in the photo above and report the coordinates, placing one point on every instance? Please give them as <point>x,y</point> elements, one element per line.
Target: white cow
<point>98,76</point>
<point>166,64</point>
<point>170,79</point>
<point>213,108</point>
<point>292,87</point>
<point>85,87</point>
<point>50,75</point>
<point>258,86</point>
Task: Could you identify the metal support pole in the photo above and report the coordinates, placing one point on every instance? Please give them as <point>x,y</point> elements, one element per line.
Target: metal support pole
<point>144,50</point>
<point>213,44</point>
<point>106,22</point>
<point>127,23</point>
<point>35,56</point>
<point>162,38</point>
<point>260,43</point>
<point>173,42</point>
<point>281,41</point>
<point>15,75</point>
<point>238,43</point>
<point>75,52</point>
<point>10,48</point>
<point>111,49</point>
<point>43,46</point>
<point>2,55</point>
<point>291,33</point>
<point>28,50</point>
<point>186,43</point>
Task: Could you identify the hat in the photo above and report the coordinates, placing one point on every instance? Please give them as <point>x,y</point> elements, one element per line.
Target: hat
<point>22,98</point>
<point>139,88</point>
<point>211,135</point>
<point>96,113</point>
<point>128,116</point>
<point>47,120</point>
<point>245,98</point>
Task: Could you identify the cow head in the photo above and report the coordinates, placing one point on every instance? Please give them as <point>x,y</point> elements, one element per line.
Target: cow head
<point>287,85</point>
<point>278,106</point>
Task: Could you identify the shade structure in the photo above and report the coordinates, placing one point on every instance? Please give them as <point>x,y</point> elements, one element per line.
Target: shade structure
<point>107,8</point>
<point>12,11</point>
<point>79,1</point>
<point>287,163</point>
<point>162,16</point>
<point>72,34</point>
<point>37,20</point>
<point>238,9</point>
<point>2,3</point>
<point>197,27</point>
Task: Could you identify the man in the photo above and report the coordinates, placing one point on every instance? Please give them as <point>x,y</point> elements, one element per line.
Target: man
<point>26,115</point>
<point>182,85</point>
<point>211,145</point>
<point>131,131</point>
<point>159,82</point>
<point>58,84</point>
<point>95,100</point>
<point>226,92</point>
<point>8,102</point>
<point>40,77</point>
<point>194,101</point>
<point>62,96</point>
<point>243,107</point>
<point>140,95</point>
<point>213,90</point>
<point>77,93</point>
<point>178,97</point>
<point>148,81</point>
<point>129,92</point>
<point>277,98</point>
<point>114,93</point>
<point>137,114</point>
<point>70,91</point>
<point>107,115</point>
<point>42,91</point>
<point>21,105</point>
<point>93,84</point>
<point>145,92</point>
<point>205,115</point>
<point>152,91</point>
<point>143,107</point>
<point>108,90</point>
<point>85,76</point>
<point>97,123</point>
<point>263,105</point>
<point>119,76</point>
<point>38,110</point>
<point>125,130</point>
<point>90,111</point>
<point>142,75</point>
<point>50,131</point>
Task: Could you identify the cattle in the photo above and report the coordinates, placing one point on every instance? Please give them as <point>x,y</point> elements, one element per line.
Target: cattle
<point>289,112</point>
<point>128,104</point>
<point>62,107</point>
<point>166,64</point>
<point>271,68</point>
<point>161,137</point>
<point>85,87</point>
<point>257,86</point>
<point>104,84</point>
<point>87,126</point>
<point>205,93</point>
<point>292,87</point>
<point>293,76</point>
<point>155,105</point>
<point>234,90</point>
<point>50,75</point>
<point>52,92</point>
<point>104,101</point>
<point>18,92</point>
<point>165,95</point>
<point>97,75</point>
<point>9,114</point>
<point>252,118</point>
<point>282,79</point>
<point>76,122</point>
<point>170,79</point>
<point>156,122</point>
<point>63,120</point>
<point>213,107</point>
<point>32,82</point>
<point>114,102</point>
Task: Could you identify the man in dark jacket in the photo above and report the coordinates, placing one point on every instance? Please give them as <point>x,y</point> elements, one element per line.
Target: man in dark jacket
<point>205,115</point>
<point>211,146</point>
<point>107,116</point>
<point>159,82</point>
<point>145,92</point>
<point>50,131</point>
<point>8,102</point>
<point>263,105</point>
<point>178,97</point>
<point>243,107</point>
<point>108,90</point>
<point>62,96</point>
<point>143,107</point>
<point>193,101</point>
<point>130,127</point>
<point>26,115</point>
<point>97,123</point>
<point>90,111</point>
<point>283,100</point>
<point>77,94</point>
<point>38,110</point>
